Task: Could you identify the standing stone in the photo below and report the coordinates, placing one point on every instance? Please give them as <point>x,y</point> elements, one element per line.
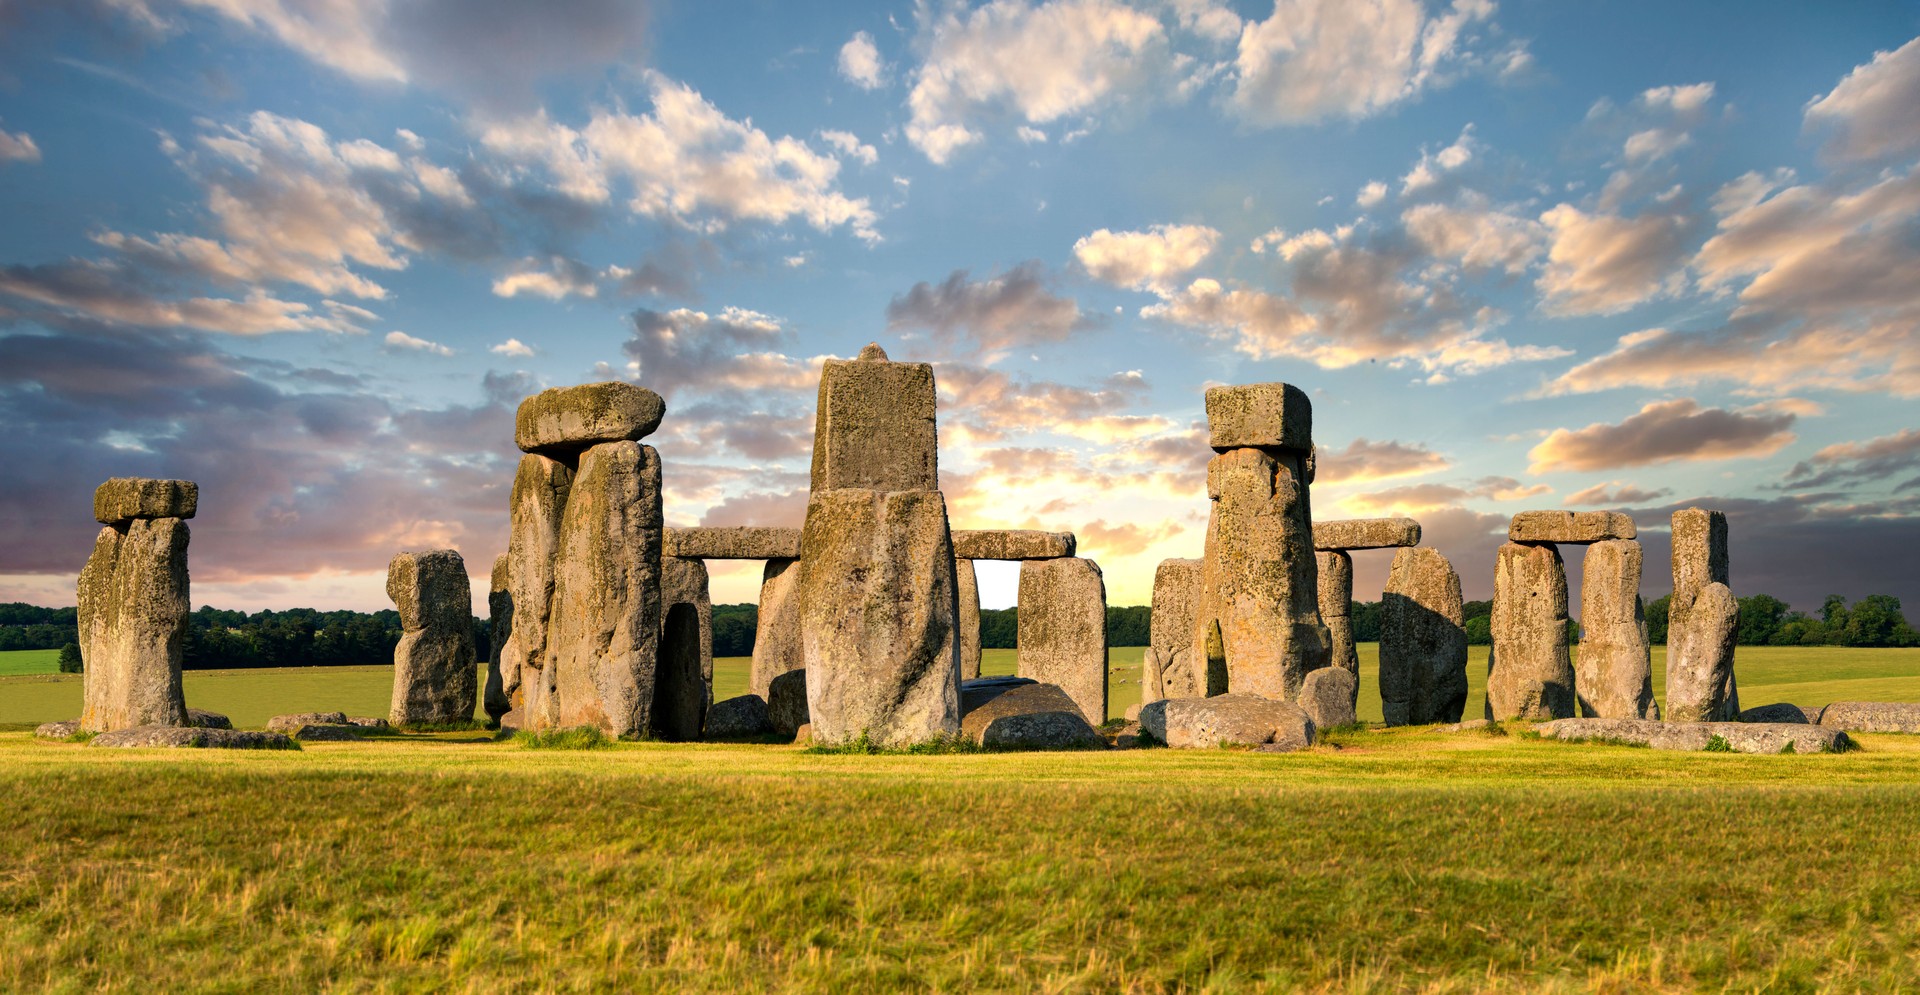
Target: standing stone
<point>540,489</point>
<point>133,604</point>
<point>1063,630</point>
<point>683,687</point>
<point>1529,672</point>
<point>776,638</point>
<point>1336,610</point>
<point>499,630</point>
<point>1702,622</point>
<point>604,636</point>
<point>969,587</point>
<point>1423,646</point>
<point>1328,695</point>
<point>1614,675</point>
<point>433,666</point>
<point>878,613</point>
<point>1168,669</point>
<point>874,427</point>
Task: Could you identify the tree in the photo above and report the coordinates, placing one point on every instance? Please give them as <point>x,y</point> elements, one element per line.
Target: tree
<point>1875,620</point>
<point>70,659</point>
<point>1657,612</point>
<point>1480,630</point>
<point>1833,611</point>
<point>1761,615</point>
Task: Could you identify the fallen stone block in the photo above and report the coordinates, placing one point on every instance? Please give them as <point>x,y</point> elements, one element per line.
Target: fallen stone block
<point>1366,533</point>
<point>738,718</point>
<point>1471,725</point>
<point>57,730</point>
<point>208,720</point>
<point>1739,737</point>
<point>1328,696</point>
<point>327,734</point>
<point>1012,544</point>
<point>739,543</point>
<point>369,722</point>
<point>562,421</point>
<point>1259,416</point>
<point>140,737</point>
<point>1570,527</point>
<point>1781,712</point>
<point>289,723</point>
<point>123,499</point>
<point>1026,715</point>
<point>1872,716</point>
<point>787,702</point>
<point>1228,719</point>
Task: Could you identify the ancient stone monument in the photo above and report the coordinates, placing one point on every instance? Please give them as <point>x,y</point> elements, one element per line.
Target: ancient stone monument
<point>1257,627</point>
<point>1024,546</point>
<point>1614,675</point>
<point>1333,543</point>
<point>968,585</point>
<point>1063,630</point>
<point>1701,622</point>
<point>1423,646</point>
<point>1169,669</point>
<point>1529,669</point>
<point>434,672</point>
<point>683,684</point>
<point>133,598</point>
<point>776,645</point>
<point>499,628</point>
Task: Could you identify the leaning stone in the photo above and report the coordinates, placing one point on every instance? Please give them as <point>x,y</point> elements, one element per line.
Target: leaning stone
<point>327,734</point>
<point>1259,416</point>
<point>683,681</point>
<point>1613,678</point>
<point>1063,630</point>
<point>733,543</point>
<point>879,615</point>
<point>1366,533</point>
<point>1012,544</point>
<point>57,730</point>
<point>1739,737</point>
<point>738,718</point>
<point>874,427</point>
<point>499,629</point>
<point>540,489</point>
<point>133,597</point>
<point>787,702</point>
<point>1029,717</point>
<point>776,636</point>
<point>139,737</point>
<point>433,666</point>
<point>1872,716</point>
<point>1529,671</point>
<point>1423,646</point>
<point>1700,647</point>
<point>562,421</point>
<point>1336,610</point>
<point>1328,696</point>
<point>123,499</point>
<point>1570,527</point>
<point>1227,719</point>
<point>1780,712</point>
<point>1168,669</point>
<point>969,594</point>
<point>289,723</point>
<point>208,720</point>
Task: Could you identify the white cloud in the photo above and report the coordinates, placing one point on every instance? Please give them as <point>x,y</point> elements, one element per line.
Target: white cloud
<point>109,293</point>
<point>401,340</point>
<point>850,145</point>
<point>1427,172</point>
<point>1031,136</point>
<point>18,147</point>
<point>1605,263</point>
<point>860,62</point>
<point>512,347</point>
<point>1476,235</point>
<point>1681,99</point>
<point>1317,59</point>
<point>1875,111</point>
<point>554,277</point>
<point>1145,259</point>
<point>1373,193</point>
<point>1209,19</point>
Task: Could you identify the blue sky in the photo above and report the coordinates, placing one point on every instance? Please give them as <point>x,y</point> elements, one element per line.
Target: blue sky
<point>1521,255</point>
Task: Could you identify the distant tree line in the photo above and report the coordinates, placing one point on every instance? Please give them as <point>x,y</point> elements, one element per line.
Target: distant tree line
<point>1875,621</point>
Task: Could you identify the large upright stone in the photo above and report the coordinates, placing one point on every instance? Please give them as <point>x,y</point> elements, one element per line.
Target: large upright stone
<point>1336,610</point>
<point>1703,620</point>
<point>1012,544</point>
<point>683,687</point>
<point>969,592</point>
<point>1613,678</point>
<point>1423,647</point>
<point>1063,630</point>
<point>604,637</point>
<point>1168,669</point>
<point>433,666</point>
<point>776,635</point>
<point>878,617</point>
<point>733,543</point>
<point>1260,416</point>
<point>874,428</point>
<point>1529,672</point>
<point>499,629</point>
<point>1570,527</point>
<point>1366,533</point>
<point>123,499</point>
<point>133,604</point>
<point>540,489</point>
<point>1258,625</point>
<point>562,421</point>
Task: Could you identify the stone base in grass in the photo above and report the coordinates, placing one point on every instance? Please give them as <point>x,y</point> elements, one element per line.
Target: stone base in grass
<point>187,736</point>
<point>1739,737</point>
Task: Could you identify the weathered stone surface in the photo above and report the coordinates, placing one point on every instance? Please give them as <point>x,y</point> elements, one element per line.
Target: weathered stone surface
<point>123,499</point>
<point>1700,646</point>
<point>1012,544</point>
<point>1238,718</point>
<point>969,594</point>
<point>604,638</point>
<point>1168,669</point>
<point>1699,554</point>
<point>1570,527</point>
<point>1261,416</point>
<point>733,543</point>
<point>139,737</point>
<point>368,722</point>
<point>1740,737</point>
<point>291,723</point>
<point>1813,713</point>
<point>540,489</point>
<point>499,629</point>
<point>1336,610</point>
<point>133,604</point>
<point>1328,696</point>
<point>787,702</point>
<point>1529,671</point>
<point>1257,626</point>
<point>1031,716</point>
<point>1063,630</point>
<point>980,690</point>
<point>776,636</point>
<point>874,427</point>
<point>1872,716</point>
<point>1779,712</point>
<point>327,734</point>
<point>57,730</point>
<point>202,719</point>
<point>1613,675</point>
<point>561,421</point>
<point>738,718</point>
<point>434,673</point>
<point>683,686</point>
<point>878,615</point>
<point>1366,533</point>
<point>1423,648</point>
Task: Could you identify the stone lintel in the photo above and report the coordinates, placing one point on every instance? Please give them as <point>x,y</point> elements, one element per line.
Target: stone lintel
<point>744,542</point>
<point>1366,533</point>
<point>1572,527</point>
<point>1012,544</point>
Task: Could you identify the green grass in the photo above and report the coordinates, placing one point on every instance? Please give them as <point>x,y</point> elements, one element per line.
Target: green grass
<point>16,662</point>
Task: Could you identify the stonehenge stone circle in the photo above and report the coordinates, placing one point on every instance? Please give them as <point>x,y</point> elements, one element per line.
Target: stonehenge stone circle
<point>1336,610</point>
<point>1236,718</point>
<point>1741,737</point>
<point>1168,668</point>
<point>434,670</point>
<point>1702,622</point>
<point>562,421</point>
<point>1614,675</point>
<point>1012,544</point>
<point>776,638</point>
<point>1366,533</point>
<point>874,427</point>
<point>1017,713</point>
<point>1259,416</point>
<point>969,593</point>
<point>1570,527</point>
<point>540,490</point>
<point>1529,671</point>
<point>683,682</point>
<point>1063,630</point>
<point>499,629</point>
<point>1423,648</point>
<point>1328,696</point>
<point>733,543</point>
<point>133,597</point>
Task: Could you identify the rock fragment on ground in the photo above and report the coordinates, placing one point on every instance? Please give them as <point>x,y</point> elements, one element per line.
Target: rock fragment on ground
<point>1027,715</point>
<point>1236,719</point>
<point>738,718</point>
<point>1328,696</point>
<point>152,736</point>
<point>1872,716</point>
<point>1738,737</point>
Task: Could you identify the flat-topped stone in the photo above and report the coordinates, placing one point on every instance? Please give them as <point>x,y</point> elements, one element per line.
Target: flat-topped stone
<point>742,542</point>
<point>561,421</point>
<point>1572,527</point>
<point>123,499</point>
<point>1872,716</point>
<point>1739,737</point>
<point>1012,544</point>
<point>874,426</point>
<point>1259,415</point>
<point>1366,533</point>
<point>1234,719</point>
<point>139,737</point>
<point>292,723</point>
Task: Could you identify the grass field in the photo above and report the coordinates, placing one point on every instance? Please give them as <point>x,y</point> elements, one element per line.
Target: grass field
<point>15,662</point>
